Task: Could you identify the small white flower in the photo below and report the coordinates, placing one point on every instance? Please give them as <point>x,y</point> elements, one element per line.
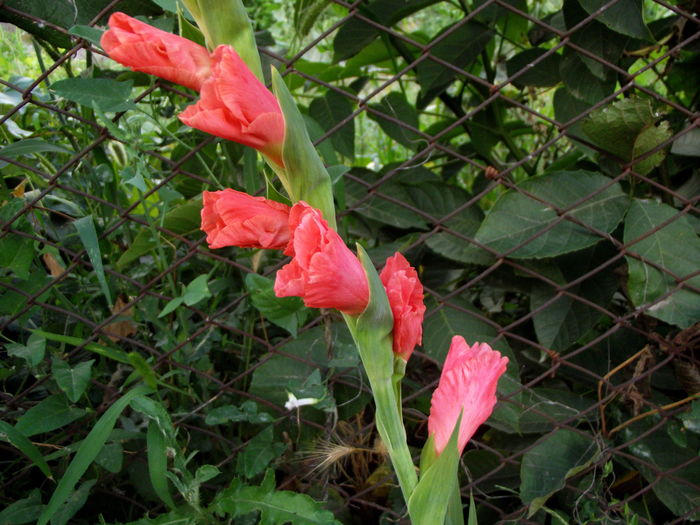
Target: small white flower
<point>293,402</point>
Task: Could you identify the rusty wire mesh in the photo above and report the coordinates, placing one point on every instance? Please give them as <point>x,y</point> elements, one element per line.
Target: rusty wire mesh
<point>618,383</point>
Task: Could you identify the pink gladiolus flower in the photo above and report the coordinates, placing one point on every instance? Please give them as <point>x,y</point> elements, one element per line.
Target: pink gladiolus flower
<point>467,384</point>
<point>149,50</point>
<point>324,272</point>
<point>405,293</point>
<point>236,106</point>
<point>234,218</point>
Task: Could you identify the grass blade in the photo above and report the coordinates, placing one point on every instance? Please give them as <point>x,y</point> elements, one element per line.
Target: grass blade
<point>20,441</point>
<point>88,234</point>
<point>158,463</point>
<point>87,452</point>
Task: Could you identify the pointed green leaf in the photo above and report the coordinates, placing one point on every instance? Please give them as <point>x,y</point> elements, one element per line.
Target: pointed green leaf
<point>88,234</point>
<point>19,440</point>
<point>73,381</point>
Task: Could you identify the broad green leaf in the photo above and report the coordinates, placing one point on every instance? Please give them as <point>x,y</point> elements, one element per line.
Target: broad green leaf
<point>247,412</point>
<point>258,453</point>
<point>330,110</point>
<point>16,255</point>
<point>276,507</point>
<point>459,48</point>
<point>379,208</point>
<point>197,290</point>
<point>20,441</point>
<point>398,110</point>
<point>23,511</point>
<point>623,16</point>
<point>86,454</point>
<point>543,74</point>
<point>51,413</point>
<point>626,129</point>
<point>109,95</point>
<point>88,235</point>
<point>33,352</point>
<point>687,144</point>
<point>675,248</point>
<point>546,466</point>
<point>518,219</point>
<point>565,319</point>
<point>650,139</point>
<point>73,504</point>
<point>286,312</point>
<point>581,82</point>
<point>658,453</point>
<point>73,381</point>
<point>111,457</point>
<point>89,33</point>
<point>281,372</point>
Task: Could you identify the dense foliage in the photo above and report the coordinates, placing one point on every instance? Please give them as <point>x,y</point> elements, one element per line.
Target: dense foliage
<point>537,164</point>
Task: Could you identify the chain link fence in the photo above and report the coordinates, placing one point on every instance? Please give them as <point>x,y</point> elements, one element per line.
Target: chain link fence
<point>537,161</point>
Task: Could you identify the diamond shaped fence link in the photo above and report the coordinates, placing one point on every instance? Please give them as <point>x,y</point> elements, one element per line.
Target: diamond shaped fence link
<point>622,393</point>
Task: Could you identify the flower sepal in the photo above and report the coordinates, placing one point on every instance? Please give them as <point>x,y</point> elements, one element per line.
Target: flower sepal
<point>372,329</point>
<point>303,176</point>
<point>432,501</point>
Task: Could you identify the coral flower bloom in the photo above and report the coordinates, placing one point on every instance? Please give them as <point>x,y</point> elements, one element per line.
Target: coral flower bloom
<point>149,50</point>
<point>236,106</point>
<point>324,272</point>
<point>468,385</point>
<point>234,218</point>
<point>405,293</point>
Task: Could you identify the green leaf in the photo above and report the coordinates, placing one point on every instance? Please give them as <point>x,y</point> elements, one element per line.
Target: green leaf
<point>398,110</point>
<point>379,208</point>
<point>687,144</point>
<point>33,352</point>
<point>658,454</point>
<point>428,503</point>
<point>143,243</point>
<point>143,369</point>
<point>276,507</point>
<point>623,16</point>
<point>650,139</point>
<point>88,235</point>
<point>197,290</point>
<point>258,453</point>
<point>546,467</point>
<point>158,462</point>
<point>23,511</point>
<point>581,82</point>
<point>20,441</point>
<point>676,248</point>
<point>626,129</point>
<point>286,312</point>
<point>89,33</point>
<point>73,381</point>
<point>460,49</point>
<point>29,146</point>
<point>50,414</point>
<point>247,412</point>
<point>16,255</point>
<point>109,353</point>
<point>111,457</point>
<point>543,74</point>
<point>109,95</point>
<point>566,319</point>
<point>86,454</point>
<point>517,218</point>
<point>73,504</point>
<point>330,110</point>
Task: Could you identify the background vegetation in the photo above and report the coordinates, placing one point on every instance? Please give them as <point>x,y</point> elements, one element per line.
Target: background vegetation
<point>537,161</point>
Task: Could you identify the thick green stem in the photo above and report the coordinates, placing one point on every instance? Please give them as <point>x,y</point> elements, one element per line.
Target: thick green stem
<point>392,432</point>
